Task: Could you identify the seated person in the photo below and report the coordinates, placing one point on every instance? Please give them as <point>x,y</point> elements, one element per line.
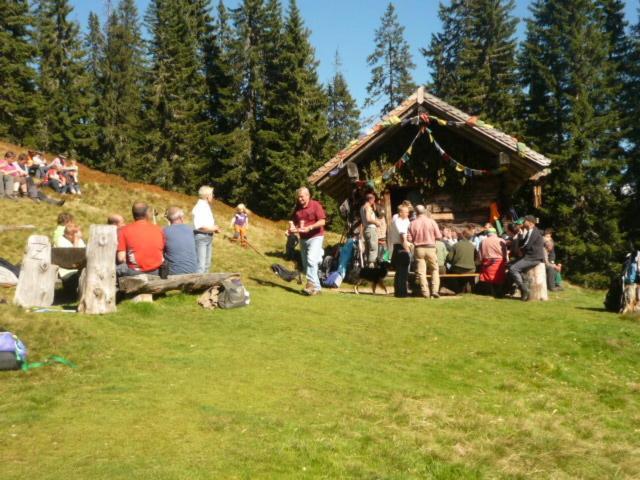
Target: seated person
<point>441,253</point>
<point>72,177</point>
<point>140,244</point>
<point>72,238</point>
<point>553,269</point>
<point>64,219</point>
<point>180,244</point>
<point>462,257</point>
<point>6,179</point>
<point>117,220</point>
<point>493,254</point>
<point>55,180</point>
<point>532,249</point>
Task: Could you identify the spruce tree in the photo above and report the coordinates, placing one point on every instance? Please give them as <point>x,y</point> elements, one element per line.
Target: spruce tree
<point>631,190</point>
<point>230,142</point>
<point>94,47</point>
<point>474,59</point>
<point>176,99</point>
<point>565,64</point>
<point>295,130</point>
<point>121,85</point>
<point>18,99</point>
<point>62,79</point>
<point>391,64</point>
<point>343,114</point>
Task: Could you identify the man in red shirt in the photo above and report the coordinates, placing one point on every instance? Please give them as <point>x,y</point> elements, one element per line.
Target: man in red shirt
<point>308,221</point>
<point>140,244</point>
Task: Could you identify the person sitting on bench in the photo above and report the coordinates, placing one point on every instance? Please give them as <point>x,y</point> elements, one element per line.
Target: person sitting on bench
<point>180,244</point>
<point>463,257</point>
<point>140,244</point>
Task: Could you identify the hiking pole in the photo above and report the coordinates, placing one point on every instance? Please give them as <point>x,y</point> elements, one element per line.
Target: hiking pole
<point>227,237</point>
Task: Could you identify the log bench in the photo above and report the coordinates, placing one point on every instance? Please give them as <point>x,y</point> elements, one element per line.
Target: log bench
<point>141,288</point>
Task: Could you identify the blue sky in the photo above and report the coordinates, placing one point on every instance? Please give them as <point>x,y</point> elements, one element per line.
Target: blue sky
<point>348,26</point>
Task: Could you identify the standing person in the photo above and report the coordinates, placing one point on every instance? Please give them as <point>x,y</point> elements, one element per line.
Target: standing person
<point>204,227</point>
<point>240,224</point>
<point>308,220</point>
<point>180,244</point>
<point>424,233</point>
<point>369,228</point>
<point>532,249</point>
<point>382,233</point>
<point>401,258</point>
<point>140,244</point>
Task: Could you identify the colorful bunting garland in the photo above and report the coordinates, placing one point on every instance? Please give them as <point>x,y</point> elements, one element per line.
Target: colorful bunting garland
<point>423,120</point>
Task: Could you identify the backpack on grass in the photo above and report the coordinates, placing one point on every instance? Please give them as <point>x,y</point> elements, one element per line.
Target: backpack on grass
<point>233,295</point>
<point>13,355</point>
<point>13,352</point>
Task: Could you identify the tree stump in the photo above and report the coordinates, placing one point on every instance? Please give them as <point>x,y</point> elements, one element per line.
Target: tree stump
<point>37,281</point>
<point>98,280</point>
<point>537,277</point>
<point>631,299</point>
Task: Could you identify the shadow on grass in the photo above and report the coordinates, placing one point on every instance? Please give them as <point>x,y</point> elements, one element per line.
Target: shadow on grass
<point>268,283</point>
<point>593,309</point>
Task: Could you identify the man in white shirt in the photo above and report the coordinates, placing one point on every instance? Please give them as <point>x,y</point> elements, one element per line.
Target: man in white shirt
<point>204,227</point>
<point>401,258</point>
<point>72,238</point>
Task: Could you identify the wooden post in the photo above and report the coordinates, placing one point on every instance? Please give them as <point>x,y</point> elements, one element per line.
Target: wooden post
<point>37,281</point>
<point>98,280</point>
<point>538,282</point>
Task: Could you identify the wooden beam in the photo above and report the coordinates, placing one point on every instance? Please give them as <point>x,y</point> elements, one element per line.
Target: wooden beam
<point>191,283</point>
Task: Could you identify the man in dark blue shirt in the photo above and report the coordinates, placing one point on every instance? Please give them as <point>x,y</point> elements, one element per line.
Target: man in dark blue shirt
<point>180,246</point>
<point>532,249</point>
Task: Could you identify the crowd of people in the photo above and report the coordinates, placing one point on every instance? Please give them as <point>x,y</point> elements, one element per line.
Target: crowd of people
<point>25,175</point>
<point>146,248</point>
<point>500,260</point>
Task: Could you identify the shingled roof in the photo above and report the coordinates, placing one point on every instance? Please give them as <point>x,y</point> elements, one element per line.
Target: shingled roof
<point>528,162</point>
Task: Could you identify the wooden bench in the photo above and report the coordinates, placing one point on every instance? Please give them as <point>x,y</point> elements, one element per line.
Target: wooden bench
<point>141,288</point>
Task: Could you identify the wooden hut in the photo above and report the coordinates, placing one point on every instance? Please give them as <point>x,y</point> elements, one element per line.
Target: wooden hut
<point>429,152</point>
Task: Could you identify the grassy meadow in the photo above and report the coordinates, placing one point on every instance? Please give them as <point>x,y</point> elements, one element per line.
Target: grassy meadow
<point>334,386</point>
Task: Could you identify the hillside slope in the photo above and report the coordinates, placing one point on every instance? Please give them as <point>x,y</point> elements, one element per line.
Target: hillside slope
<point>104,194</point>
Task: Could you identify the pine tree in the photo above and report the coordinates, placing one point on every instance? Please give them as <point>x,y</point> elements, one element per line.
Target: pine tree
<point>391,64</point>
<point>121,87</point>
<point>62,79</point>
<point>343,114</point>
<point>474,59</point>
<point>176,96</point>
<point>565,68</point>
<point>18,99</point>
<point>295,124</point>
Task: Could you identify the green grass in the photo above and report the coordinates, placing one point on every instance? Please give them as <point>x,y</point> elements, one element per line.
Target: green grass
<point>327,387</point>
<point>336,386</point>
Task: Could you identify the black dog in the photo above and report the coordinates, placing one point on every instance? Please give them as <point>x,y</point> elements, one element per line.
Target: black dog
<point>375,275</point>
<point>285,274</point>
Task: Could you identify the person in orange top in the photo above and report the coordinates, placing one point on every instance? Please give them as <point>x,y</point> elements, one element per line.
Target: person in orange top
<point>140,244</point>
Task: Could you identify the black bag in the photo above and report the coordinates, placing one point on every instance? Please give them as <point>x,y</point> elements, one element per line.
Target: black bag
<point>614,300</point>
<point>233,295</point>
<point>286,275</point>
